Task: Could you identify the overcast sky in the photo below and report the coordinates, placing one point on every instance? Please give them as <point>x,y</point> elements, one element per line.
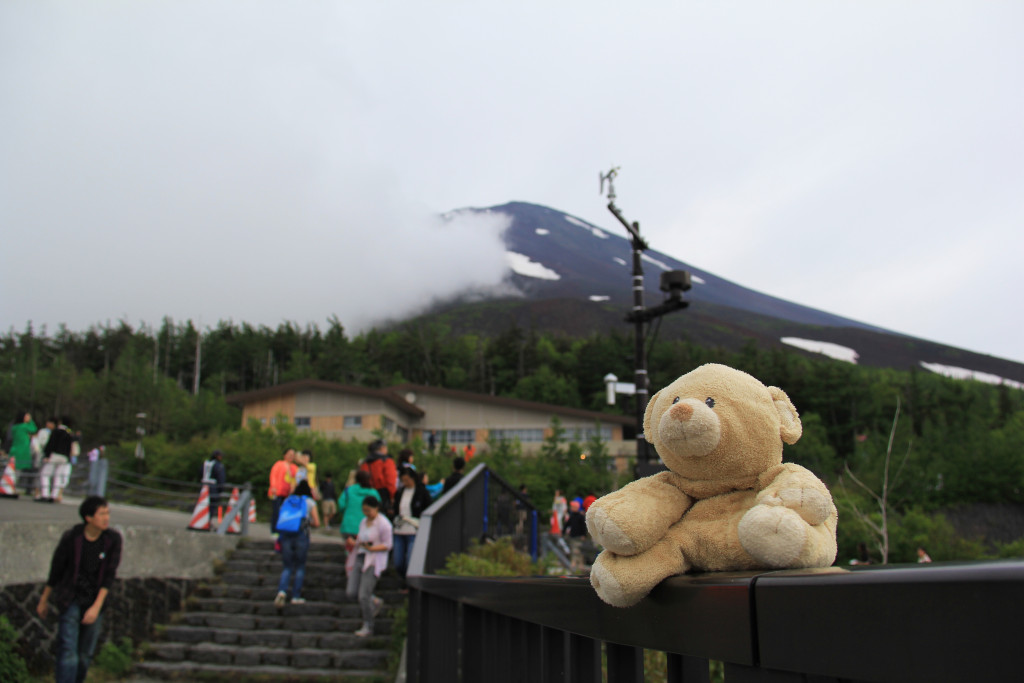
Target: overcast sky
<point>263,161</point>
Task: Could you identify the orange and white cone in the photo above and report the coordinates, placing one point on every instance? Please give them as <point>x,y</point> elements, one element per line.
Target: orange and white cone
<point>236,522</point>
<point>201,513</point>
<point>252,511</point>
<point>9,482</point>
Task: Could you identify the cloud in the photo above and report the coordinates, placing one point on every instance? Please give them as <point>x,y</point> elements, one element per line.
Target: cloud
<point>155,164</point>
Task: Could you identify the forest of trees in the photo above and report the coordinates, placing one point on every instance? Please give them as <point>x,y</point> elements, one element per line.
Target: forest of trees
<point>956,442</point>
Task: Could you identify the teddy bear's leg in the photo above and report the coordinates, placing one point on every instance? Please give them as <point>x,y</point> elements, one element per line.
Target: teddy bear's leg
<point>778,537</point>
<point>624,580</point>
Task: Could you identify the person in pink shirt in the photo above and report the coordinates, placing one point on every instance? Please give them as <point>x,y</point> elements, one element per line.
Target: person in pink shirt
<point>367,562</point>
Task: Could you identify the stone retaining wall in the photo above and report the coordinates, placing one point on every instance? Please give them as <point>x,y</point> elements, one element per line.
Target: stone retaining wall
<point>132,609</point>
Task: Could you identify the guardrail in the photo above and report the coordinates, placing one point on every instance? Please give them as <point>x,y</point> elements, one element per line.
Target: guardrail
<point>939,622</point>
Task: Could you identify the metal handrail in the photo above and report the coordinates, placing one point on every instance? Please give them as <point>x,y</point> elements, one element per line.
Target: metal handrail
<point>944,621</point>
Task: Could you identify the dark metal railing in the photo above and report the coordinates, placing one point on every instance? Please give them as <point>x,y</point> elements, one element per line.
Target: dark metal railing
<point>940,622</point>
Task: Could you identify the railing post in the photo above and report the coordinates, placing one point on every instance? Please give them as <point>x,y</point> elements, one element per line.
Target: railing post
<point>625,663</point>
<point>682,669</point>
<point>533,535</point>
<point>584,659</point>
<point>487,492</point>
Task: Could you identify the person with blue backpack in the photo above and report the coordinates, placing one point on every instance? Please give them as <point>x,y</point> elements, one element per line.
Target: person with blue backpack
<point>298,512</point>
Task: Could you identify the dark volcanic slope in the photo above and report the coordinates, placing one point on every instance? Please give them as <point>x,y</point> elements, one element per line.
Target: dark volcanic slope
<point>585,286</point>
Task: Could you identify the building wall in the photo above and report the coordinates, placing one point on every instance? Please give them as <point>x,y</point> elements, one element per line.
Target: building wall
<point>327,411</point>
<point>267,409</point>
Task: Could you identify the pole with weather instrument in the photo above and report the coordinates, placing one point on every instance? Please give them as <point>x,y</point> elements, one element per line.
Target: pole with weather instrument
<point>673,283</point>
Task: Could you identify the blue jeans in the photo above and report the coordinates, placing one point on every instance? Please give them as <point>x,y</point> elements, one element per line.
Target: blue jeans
<point>76,643</point>
<point>294,548</point>
<point>402,551</point>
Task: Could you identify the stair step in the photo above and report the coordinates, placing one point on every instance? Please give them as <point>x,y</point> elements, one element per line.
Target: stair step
<point>186,635</point>
<point>267,607</point>
<point>192,671</point>
<point>250,622</point>
<point>314,579</point>
<point>262,655</point>
<point>268,592</point>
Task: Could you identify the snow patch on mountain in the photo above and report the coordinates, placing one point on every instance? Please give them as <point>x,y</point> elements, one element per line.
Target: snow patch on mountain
<point>542,231</point>
<point>843,353</point>
<point>599,297</point>
<point>597,232</point>
<point>523,265</point>
<point>621,261</point>
<point>696,278</point>
<point>964,373</point>
<point>660,264</point>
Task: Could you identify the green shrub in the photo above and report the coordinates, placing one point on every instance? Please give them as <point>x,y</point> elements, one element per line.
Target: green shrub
<point>492,558</point>
<point>115,659</point>
<point>12,666</point>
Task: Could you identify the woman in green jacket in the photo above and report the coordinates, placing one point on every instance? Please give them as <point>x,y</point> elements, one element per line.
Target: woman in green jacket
<point>350,504</point>
<point>21,440</point>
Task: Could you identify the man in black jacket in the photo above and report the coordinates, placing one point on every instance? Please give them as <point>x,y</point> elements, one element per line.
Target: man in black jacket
<point>81,573</point>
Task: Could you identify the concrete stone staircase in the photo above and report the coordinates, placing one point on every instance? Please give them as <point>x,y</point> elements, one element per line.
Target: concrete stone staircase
<point>232,629</point>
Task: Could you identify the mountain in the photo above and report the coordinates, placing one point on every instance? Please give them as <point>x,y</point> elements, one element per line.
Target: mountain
<point>574,277</point>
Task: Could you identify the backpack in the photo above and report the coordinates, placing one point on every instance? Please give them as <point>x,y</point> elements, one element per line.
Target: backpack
<point>293,516</point>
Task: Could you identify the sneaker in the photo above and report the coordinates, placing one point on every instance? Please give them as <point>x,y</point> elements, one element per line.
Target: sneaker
<point>298,601</point>
<point>378,605</point>
<point>279,600</point>
<point>364,631</point>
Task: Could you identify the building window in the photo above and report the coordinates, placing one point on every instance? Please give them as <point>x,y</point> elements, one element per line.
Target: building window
<point>353,421</point>
<point>403,434</point>
<point>302,422</point>
<point>387,424</point>
<point>604,434</point>
<point>461,436</point>
<point>524,435</point>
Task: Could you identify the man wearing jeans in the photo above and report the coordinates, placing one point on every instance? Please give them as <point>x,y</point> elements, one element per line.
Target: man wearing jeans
<point>82,570</point>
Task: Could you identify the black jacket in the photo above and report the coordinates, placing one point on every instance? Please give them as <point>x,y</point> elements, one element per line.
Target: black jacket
<point>59,442</point>
<point>420,500</point>
<point>67,559</point>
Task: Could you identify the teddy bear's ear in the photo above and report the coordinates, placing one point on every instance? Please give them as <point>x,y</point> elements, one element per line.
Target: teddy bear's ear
<point>791,429</point>
<point>648,412</point>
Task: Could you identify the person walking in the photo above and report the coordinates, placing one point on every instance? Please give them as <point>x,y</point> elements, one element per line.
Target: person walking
<point>412,499</point>
<point>21,445</point>
<point>366,563</point>
<point>213,476</point>
<point>576,530</point>
<point>56,459</point>
<point>455,477</point>
<point>559,509</point>
<point>351,505</point>
<point>82,571</point>
<point>383,473</point>
<point>297,514</point>
<point>329,500</point>
<point>282,480</point>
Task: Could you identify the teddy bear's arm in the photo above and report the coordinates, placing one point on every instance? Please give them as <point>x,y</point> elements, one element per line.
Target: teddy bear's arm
<point>799,490</point>
<point>635,517</point>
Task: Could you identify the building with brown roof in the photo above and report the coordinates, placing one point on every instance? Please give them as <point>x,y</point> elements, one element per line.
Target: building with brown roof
<point>407,411</point>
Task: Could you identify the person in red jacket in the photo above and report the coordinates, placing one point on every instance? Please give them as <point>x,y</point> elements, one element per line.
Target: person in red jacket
<point>383,473</point>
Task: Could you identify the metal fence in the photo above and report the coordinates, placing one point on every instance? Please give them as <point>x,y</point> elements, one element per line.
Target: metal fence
<point>939,622</point>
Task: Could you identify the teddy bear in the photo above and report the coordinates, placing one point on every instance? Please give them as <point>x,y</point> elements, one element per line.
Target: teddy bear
<point>727,501</point>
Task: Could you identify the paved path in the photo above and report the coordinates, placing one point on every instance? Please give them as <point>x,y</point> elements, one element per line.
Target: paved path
<point>25,509</point>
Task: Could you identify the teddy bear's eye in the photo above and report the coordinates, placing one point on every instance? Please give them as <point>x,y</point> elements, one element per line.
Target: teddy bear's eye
<point>710,402</point>
<point>675,400</point>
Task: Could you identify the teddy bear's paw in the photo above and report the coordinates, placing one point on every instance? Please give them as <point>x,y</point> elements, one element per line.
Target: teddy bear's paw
<point>810,503</point>
<point>773,535</point>
<point>608,587</point>
<point>607,533</point>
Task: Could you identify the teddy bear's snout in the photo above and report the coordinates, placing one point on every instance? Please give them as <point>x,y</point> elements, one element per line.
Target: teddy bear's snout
<point>681,411</point>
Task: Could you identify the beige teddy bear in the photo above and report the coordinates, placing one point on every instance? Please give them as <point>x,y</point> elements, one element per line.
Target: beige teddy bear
<point>726,503</point>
